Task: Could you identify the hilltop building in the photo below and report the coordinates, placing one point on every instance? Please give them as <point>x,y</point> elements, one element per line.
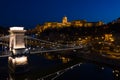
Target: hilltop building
<point>65,23</point>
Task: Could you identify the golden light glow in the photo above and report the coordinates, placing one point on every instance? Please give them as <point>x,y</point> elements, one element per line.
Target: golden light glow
<point>65,60</point>
<point>109,37</point>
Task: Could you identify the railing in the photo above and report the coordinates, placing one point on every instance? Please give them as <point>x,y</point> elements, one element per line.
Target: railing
<point>53,50</point>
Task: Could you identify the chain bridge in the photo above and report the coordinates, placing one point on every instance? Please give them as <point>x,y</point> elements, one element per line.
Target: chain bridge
<point>18,40</point>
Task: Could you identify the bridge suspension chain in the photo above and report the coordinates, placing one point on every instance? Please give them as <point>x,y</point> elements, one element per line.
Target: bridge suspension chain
<point>28,37</point>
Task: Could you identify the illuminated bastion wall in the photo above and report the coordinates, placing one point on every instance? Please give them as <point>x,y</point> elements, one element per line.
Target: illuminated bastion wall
<point>16,38</point>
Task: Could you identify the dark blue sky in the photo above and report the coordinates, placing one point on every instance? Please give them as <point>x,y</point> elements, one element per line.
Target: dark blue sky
<point>29,13</point>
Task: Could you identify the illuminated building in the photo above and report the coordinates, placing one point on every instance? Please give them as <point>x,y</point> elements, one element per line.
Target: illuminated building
<point>109,37</point>
<point>64,20</point>
<point>65,23</point>
<point>78,23</point>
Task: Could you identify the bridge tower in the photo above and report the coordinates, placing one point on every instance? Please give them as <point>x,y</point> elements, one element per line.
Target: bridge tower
<point>16,43</point>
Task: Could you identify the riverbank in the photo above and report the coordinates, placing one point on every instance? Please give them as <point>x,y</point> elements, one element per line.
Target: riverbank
<point>101,58</point>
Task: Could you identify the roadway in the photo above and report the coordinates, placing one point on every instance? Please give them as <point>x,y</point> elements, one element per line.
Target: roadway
<point>54,50</point>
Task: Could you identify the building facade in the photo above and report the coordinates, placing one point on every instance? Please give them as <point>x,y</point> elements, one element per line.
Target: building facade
<point>65,23</point>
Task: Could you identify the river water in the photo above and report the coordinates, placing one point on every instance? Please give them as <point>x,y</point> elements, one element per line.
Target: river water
<point>40,65</point>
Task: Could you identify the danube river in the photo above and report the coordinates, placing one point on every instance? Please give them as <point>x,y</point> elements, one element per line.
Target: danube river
<point>56,66</point>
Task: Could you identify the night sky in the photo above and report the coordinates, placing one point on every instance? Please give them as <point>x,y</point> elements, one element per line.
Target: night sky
<point>29,13</point>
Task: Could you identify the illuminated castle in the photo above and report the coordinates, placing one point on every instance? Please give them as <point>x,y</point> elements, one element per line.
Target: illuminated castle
<point>65,23</point>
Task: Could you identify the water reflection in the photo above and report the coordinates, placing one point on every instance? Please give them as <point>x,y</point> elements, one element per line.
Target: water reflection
<point>116,73</point>
<point>18,60</point>
<point>64,59</point>
<point>50,56</point>
<point>44,64</point>
<point>17,64</point>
